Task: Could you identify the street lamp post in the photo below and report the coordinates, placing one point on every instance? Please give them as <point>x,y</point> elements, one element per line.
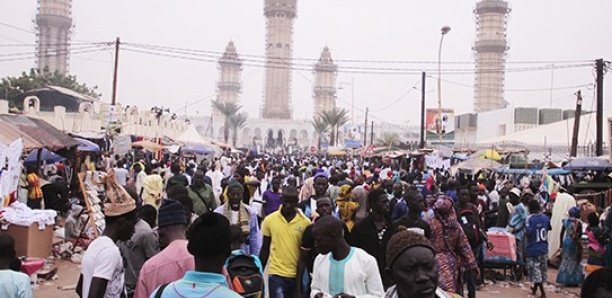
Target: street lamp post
<point>444,31</point>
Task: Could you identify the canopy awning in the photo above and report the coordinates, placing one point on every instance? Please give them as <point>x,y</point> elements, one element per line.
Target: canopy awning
<point>36,133</point>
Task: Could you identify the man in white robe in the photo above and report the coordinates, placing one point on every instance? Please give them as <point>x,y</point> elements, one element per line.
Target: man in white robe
<point>341,270</point>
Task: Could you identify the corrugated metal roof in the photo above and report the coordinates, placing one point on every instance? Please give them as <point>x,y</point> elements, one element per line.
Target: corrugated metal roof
<point>36,133</point>
<point>10,133</point>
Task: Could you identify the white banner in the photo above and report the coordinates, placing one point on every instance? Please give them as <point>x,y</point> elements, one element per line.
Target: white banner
<point>11,171</point>
<point>122,145</point>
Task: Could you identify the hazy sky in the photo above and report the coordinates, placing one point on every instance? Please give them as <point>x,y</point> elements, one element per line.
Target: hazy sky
<point>542,30</point>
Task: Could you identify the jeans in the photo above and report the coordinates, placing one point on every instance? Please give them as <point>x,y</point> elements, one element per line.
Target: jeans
<point>470,279</point>
<point>281,287</point>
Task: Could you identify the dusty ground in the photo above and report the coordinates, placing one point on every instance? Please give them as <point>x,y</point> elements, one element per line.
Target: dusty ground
<point>68,274</point>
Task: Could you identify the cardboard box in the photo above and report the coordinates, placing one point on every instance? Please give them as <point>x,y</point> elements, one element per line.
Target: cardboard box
<point>30,241</point>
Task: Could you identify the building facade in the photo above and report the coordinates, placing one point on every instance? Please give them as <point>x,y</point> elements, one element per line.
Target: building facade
<point>279,51</point>
<point>53,26</point>
<point>490,54</point>
<point>324,89</point>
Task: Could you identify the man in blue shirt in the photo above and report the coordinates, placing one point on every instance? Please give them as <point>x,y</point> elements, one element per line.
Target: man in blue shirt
<point>537,226</point>
<point>210,243</point>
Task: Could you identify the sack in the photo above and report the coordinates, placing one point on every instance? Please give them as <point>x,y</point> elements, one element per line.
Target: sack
<point>469,224</point>
<point>244,276</point>
<point>555,259</point>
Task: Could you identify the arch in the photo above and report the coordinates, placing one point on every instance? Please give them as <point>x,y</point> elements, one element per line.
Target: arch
<point>270,141</point>
<point>85,107</point>
<point>220,133</point>
<point>245,137</point>
<point>31,103</point>
<point>257,132</point>
<point>281,138</point>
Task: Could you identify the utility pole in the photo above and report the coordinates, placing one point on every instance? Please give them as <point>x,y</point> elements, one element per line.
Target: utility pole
<point>114,98</point>
<point>574,148</point>
<point>422,144</point>
<point>599,66</point>
<point>372,134</point>
<point>365,129</point>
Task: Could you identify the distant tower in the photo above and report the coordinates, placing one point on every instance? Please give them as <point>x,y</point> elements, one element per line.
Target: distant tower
<point>490,48</point>
<point>324,90</point>
<point>54,25</point>
<point>279,48</point>
<point>230,68</point>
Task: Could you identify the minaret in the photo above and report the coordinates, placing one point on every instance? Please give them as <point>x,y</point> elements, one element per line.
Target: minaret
<point>324,90</point>
<point>229,86</point>
<point>279,48</point>
<point>54,25</point>
<point>490,48</point>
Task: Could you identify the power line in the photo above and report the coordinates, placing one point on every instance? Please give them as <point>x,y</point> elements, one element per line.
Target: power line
<point>36,52</point>
<point>57,53</point>
<point>516,89</point>
<point>354,70</point>
<point>218,54</point>
<point>399,98</point>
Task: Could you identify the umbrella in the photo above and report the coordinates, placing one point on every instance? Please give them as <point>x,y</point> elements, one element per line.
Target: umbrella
<point>444,151</point>
<point>197,149</point>
<point>87,145</point>
<point>490,154</point>
<point>146,144</point>
<point>474,165</point>
<point>46,156</point>
<point>588,164</point>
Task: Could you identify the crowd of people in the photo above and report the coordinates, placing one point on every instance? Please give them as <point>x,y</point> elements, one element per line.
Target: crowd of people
<point>330,227</point>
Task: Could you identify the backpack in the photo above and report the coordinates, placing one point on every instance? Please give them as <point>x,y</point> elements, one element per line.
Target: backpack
<point>244,276</point>
<point>469,223</point>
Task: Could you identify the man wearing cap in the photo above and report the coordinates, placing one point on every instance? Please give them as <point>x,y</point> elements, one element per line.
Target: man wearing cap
<point>238,213</point>
<point>210,244</point>
<point>102,273</point>
<point>282,233</point>
<point>174,260</point>
<point>412,264</point>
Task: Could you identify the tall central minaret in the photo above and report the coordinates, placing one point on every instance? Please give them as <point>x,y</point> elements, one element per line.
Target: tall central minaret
<point>490,49</point>
<point>279,49</point>
<point>54,25</point>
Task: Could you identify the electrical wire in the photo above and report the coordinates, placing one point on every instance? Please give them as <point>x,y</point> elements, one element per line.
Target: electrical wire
<point>359,70</point>
<point>399,98</point>
<point>150,46</point>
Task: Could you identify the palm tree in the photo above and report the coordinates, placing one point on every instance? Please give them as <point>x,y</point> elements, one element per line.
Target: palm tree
<point>227,109</point>
<point>320,128</point>
<point>335,118</point>
<point>388,140</point>
<point>237,122</point>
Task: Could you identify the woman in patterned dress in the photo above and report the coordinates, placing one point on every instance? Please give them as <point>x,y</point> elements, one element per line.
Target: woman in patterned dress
<point>453,252</point>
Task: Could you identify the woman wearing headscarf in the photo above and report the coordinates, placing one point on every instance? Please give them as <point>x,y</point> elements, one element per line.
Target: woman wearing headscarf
<point>453,252</point>
<point>346,206</point>
<point>570,271</point>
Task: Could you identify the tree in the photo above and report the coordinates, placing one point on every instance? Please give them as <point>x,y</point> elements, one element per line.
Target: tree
<point>237,122</point>
<point>14,87</point>
<point>227,109</point>
<point>335,118</point>
<point>388,140</point>
<point>320,128</point>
